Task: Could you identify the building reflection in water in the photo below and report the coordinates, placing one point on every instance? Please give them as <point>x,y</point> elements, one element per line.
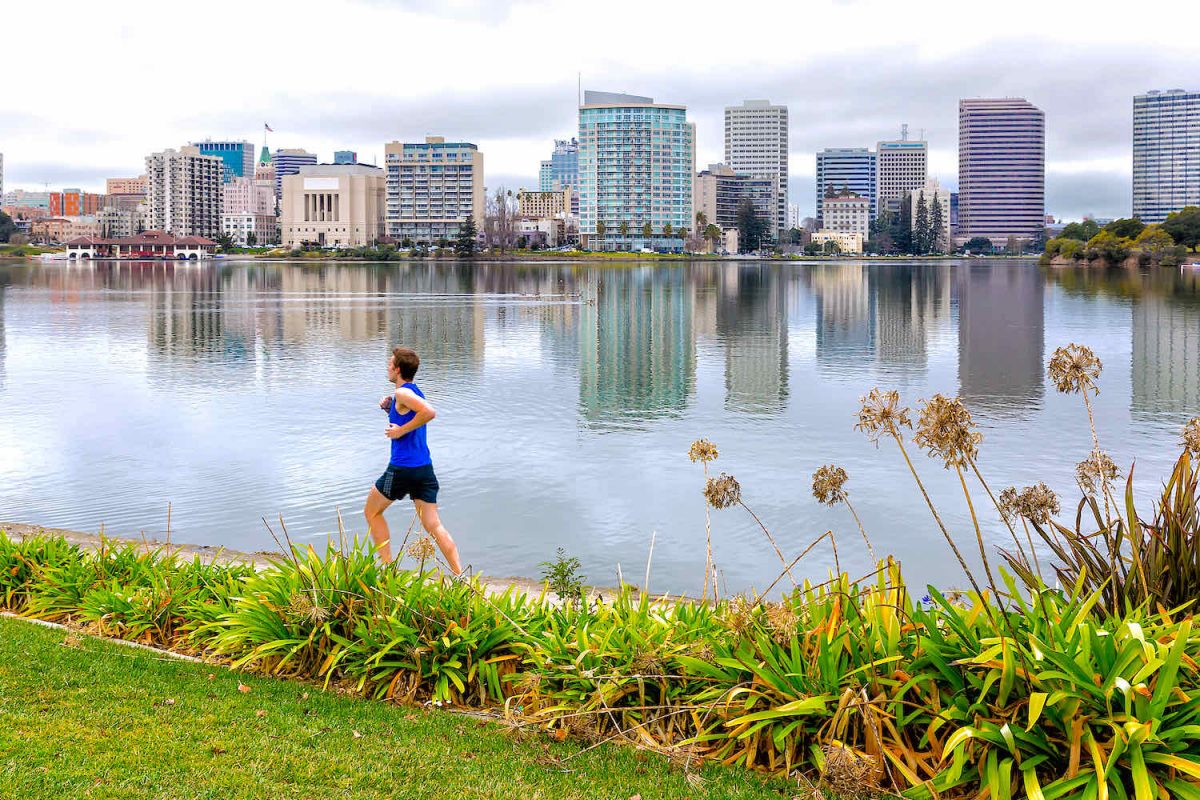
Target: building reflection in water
<point>845,317</point>
<point>911,302</point>
<point>752,325</point>
<point>637,346</point>
<point>1001,333</point>
<point>1165,368</point>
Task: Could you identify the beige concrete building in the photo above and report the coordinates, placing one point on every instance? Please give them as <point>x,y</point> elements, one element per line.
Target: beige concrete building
<point>333,205</point>
<point>184,192</point>
<point>847,241</point>
<point>133,186</point>
<point>544,205</point>
<point>849,212</point>
<point>432,187</point>
<point>63,229</point>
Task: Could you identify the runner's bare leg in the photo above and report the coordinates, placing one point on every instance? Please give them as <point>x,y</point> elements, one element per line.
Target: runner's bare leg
<point>377,503</point>
<point>428,512</point>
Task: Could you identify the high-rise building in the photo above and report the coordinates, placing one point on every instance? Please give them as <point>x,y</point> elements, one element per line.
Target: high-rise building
<point>75,203</point>
<point>1001,169</point>
<point>637,161</point>
<point>1166,153</point>
<point>720,191</point>
<point>756,144</point>
<point>333,205</point>
<point>793,217</point>
<point>184,192</point>
<point>901,166</point>
<point>289,162</point>
<point>345,157</point>
<point>237,157</point>
<point>562,170</point>
<point>432,187</point>
<point>846,169</point>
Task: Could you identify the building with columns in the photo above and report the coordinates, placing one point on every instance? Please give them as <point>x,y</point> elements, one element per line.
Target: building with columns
<point>333,205</point>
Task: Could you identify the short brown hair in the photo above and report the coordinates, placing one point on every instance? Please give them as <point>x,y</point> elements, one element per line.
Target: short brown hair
<point>407,361</point>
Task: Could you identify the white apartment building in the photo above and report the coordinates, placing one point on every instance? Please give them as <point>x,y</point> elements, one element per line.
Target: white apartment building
<point>432,187</point>
<point>240,225</point>
<point>756,144</point>
<point>850,213</point>
<point>184,192</point>
<point>901,166</point>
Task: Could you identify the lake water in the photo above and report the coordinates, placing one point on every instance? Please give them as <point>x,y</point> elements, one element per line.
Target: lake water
<point>567,397</point>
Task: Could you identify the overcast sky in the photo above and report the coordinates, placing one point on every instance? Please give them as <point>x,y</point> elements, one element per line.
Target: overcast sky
<point>93,87</point>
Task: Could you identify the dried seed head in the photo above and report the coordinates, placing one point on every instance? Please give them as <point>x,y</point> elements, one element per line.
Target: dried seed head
<point>882,415</point>
<point>702,450</point>
<point>946,430</point>
<point>421,548</point>
<point>1075,368</point>
<point>1009,499</point>
<point>782,621</point>
<point>722,491</point>
<point>828,483</point>
<point>303,609</point>
<point>849,773</point>
<point>1037,503</point>
<point>739,616</point>
<point>1191,436</point>
<point>1096,472</point>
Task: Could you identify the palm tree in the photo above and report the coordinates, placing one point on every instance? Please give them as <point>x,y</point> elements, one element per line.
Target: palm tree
<point>600,229</point>
<point>713,234</point>
<point>701,220</point>
<point>624,229</point>
<point>682,233</point>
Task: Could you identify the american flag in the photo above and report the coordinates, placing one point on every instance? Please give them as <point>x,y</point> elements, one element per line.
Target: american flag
<point>267,127</point>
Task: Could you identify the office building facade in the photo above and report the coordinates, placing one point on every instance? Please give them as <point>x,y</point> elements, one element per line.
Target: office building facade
<point>720,191</point>
<point>432,187</point>
<point>846,169</point>
<point>184,192</point>
<point>1001,170</point>
<point>562,170</point>
<point>637,162</point>
<point>900,167</point>
<point>237,157</point>
<point>848,213</point>
<point>1166,153</point>
<point>75,203</point>
<point>756,144</point>
<point>288,162</point>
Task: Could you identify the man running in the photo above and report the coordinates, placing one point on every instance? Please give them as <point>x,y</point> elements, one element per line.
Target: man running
<point>410,470</point>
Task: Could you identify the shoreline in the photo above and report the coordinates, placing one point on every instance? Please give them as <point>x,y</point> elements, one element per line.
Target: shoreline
<point>259,559</point>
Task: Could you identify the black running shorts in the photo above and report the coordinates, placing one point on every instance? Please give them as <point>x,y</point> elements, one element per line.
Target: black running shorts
<point>418,482</point>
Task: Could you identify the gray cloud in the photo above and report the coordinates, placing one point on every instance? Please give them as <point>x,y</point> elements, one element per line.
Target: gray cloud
<point>59,175</point>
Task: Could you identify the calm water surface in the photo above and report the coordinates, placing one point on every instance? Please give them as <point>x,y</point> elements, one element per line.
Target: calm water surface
<point>567,398</point>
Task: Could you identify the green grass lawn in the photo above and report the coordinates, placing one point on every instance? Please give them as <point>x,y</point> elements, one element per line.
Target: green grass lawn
<point>86,718</point>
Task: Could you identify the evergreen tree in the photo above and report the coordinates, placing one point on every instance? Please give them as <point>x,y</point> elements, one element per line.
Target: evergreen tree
<point>902,233</point>
<point>465,243</point>
<point>921,227</point>
<point>7,227</point>
<point>751,227</point>
<point>937,227</point>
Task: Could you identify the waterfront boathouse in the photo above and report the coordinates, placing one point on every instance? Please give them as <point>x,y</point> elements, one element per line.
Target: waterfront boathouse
<point>148,244</point>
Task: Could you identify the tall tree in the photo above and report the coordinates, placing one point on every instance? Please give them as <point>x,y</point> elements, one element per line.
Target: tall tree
<point>751,227</point>
<point>647,235</point>
<point>7,227</point>
<point>713,235</point>
<point>921,227</point>
<point>501,221</point>
<point>1184,226</point>
<point>1127,228</point>
<point>601,229</point>
<point>902,233</point>
<point>937,226</point>
<point>624,230</point>
<point>464,243</point>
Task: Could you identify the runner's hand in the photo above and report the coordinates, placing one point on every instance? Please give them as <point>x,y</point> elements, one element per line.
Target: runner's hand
<point>393,432</point>
<point>386,402</point>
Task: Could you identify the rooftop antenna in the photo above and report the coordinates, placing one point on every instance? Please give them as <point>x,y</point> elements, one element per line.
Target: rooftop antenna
<point>922,134</point>
<point>904,132</point>
<point>579,88</point>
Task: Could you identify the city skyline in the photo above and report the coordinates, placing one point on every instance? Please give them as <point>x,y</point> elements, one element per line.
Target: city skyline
<point>917,71</point>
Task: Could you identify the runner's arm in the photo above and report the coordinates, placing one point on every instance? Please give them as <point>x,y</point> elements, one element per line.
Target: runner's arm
<point>423,413</point>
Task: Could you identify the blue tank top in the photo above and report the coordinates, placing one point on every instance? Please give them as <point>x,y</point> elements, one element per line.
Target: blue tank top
<point>410,450</point>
